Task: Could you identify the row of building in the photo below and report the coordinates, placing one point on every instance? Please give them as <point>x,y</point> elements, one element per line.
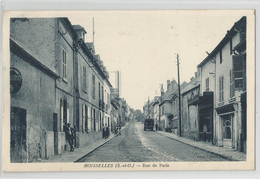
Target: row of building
<point>213,103</point>
<point>56,78</point>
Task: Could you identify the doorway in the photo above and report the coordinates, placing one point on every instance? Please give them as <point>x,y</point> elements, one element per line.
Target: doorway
<point>227,129</point>
<point>55,130</point>
<point>18,141</point>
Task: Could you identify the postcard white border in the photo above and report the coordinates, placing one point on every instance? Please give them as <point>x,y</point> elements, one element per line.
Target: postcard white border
<point>248,165</point>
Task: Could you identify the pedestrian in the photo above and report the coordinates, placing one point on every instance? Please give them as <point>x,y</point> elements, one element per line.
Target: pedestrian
<point>106,131</point>
<point>103,131</point>
<point>70,136</point>
<point>115,128</point>
<point>156,126</point>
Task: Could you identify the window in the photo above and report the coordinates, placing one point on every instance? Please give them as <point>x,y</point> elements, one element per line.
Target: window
<point>207,84</point>
<point>94,117</point>
<point>230,43</point>
<point>102,94</point>
<point>99,93</point>
<point>108,101</point>
<point>239,71</point>
<point>64,64</point>
<point>232,87</point>
<point>221,88</point>
<point>93,84</point>
<point>84,78</point>
<point>220,56</point>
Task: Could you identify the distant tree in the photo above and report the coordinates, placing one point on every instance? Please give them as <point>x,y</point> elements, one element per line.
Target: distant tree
<point>139,115</point>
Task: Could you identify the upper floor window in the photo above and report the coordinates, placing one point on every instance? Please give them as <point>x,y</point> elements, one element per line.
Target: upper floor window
<point>221,88</point>
<point>102,94</point>
<point>108,99</point>
<point>239,68</point>
<point>231,82</point>
<point>64,64</point>
<point>99,93</point>
<point>207,84</point>
<point>84,78</point>
<point>93,86</point>
<point>220,56</point>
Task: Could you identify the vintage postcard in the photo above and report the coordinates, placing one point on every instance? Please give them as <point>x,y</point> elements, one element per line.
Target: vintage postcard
<point>129,90</point>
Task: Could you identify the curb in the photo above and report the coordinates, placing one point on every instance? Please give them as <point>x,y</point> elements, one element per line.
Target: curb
<point>223,156</point>
<point>78,160</point>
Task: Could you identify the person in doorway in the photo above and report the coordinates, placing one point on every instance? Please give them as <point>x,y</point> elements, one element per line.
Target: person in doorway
<point>103,131</point>
<point>70,137</point>
<point>106,131</point>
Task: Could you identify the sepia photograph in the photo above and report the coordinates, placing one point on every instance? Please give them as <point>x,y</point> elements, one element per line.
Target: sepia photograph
<point>129,90</point>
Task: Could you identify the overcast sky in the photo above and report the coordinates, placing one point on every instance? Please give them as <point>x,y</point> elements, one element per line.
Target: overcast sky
<point>143,44</point>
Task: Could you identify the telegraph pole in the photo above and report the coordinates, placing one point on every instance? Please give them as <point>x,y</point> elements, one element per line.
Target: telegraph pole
<point>179,88</point>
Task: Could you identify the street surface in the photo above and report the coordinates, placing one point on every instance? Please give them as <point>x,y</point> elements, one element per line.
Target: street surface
<point>137,145</point>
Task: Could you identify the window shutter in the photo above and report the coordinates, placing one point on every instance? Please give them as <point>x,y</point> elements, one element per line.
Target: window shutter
<point>89,118</point>
<point>220,89</point>
<point>238,71</point>
<point>61,114</point>
<point>86,117</point>
<point>222,85</point>
<point>83,117</point>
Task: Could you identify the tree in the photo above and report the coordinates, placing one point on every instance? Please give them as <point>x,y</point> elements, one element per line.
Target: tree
<point>139,115</point>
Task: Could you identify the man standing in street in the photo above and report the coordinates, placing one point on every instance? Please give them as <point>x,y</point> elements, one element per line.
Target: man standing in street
<point>103,132</point>
<point>70,137</point>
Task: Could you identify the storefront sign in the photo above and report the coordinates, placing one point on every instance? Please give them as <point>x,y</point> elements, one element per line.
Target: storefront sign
<point>15,80</point>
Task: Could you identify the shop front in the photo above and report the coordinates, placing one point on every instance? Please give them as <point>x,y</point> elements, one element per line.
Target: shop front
<point>227,126</point>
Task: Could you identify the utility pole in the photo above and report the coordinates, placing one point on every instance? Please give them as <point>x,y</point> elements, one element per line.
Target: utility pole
<point>93,31</point>
<point>179,87</point>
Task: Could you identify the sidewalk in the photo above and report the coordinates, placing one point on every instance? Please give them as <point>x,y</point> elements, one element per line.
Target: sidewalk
<point>80,152</point>
<point>227,153</point>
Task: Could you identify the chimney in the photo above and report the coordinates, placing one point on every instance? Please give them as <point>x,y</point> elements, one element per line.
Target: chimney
<point>168,84</point>
<point>191,78</point>
<point>162,90</point>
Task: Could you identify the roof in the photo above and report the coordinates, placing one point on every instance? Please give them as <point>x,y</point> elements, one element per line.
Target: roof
<point>231,33</point>
<point>191,85</point>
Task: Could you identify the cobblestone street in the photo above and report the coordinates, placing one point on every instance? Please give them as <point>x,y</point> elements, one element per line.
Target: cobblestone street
<point>137,145</point>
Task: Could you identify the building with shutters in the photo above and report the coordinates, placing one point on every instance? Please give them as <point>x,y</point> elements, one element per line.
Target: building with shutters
<point>225,70</point>
<point>56,79</point>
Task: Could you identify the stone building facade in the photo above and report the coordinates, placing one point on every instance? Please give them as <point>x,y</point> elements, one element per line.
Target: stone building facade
<point>62,82</point>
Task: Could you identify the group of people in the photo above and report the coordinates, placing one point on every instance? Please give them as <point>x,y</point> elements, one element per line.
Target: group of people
<point>71,133</point>
<point>105,131</point>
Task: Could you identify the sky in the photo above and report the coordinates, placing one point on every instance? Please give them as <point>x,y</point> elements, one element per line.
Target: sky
<point>143,44</point>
